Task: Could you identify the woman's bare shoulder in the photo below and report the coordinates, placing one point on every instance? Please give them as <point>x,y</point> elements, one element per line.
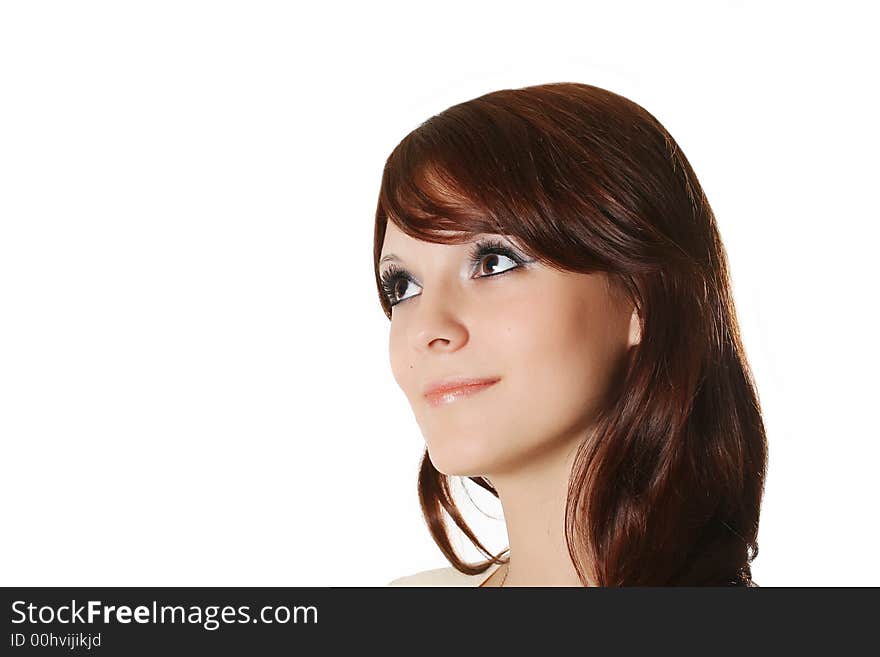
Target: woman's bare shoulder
<point>440,577</point>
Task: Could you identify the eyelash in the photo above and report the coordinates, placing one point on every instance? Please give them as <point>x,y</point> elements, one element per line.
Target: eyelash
<point>479,251</point>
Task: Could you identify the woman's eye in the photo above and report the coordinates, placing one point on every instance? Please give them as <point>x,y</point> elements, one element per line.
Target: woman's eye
<point>490,261</point>
<point>398,287</point>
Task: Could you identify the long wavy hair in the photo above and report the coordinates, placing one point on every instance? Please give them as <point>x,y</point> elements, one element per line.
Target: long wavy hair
<point>667,490</point>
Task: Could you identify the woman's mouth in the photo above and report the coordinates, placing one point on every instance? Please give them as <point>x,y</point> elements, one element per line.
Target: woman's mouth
<point>448,391</point>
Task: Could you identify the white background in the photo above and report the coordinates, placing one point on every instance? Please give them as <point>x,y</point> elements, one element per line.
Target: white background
<point>194,377</point>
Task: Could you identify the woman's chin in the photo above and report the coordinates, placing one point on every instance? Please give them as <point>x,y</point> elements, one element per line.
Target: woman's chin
<point>460,461</point>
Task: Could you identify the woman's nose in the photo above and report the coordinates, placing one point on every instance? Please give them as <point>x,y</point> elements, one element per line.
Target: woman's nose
<point>439,323</point>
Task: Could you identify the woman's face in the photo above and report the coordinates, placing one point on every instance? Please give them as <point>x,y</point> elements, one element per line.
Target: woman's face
<point>552,340</point>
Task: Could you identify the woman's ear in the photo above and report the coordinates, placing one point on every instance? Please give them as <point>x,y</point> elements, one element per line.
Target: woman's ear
<point>635,328</point>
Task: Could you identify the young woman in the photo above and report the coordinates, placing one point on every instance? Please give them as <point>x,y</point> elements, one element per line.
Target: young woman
<point>563,327</point>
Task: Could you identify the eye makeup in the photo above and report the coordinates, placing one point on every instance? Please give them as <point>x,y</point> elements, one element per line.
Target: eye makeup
<point>393,274</point>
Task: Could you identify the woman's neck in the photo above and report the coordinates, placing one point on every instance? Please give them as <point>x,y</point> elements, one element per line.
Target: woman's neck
<point>533,499</point>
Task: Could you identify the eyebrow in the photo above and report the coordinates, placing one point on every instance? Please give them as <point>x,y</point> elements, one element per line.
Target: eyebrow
<point>391,256</point>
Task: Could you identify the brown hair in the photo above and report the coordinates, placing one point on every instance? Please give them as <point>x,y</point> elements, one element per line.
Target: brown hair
<point>668,490</point>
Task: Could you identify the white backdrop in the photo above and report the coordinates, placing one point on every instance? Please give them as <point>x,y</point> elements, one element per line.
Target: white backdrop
<point>194,378</point>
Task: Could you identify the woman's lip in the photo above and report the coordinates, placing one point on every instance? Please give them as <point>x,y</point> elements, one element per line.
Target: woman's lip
<point>449,392</point>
